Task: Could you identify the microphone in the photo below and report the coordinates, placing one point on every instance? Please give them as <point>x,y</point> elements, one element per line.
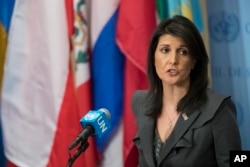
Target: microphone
<point>95,123</point>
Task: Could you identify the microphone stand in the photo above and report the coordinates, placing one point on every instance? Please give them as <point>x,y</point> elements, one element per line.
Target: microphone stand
<point>84,145</point>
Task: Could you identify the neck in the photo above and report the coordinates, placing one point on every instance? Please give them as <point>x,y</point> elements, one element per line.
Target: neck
<point>174,94</point>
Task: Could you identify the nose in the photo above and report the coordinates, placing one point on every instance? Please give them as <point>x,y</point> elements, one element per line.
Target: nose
<point>173,58</point>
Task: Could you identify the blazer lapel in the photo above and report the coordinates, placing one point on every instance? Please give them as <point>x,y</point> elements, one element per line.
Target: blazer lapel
<point>179,130</point>
<point>146,131</point>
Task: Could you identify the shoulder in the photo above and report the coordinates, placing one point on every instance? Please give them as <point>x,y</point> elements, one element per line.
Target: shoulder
<point>139,95</point>
<point>216,100</point>
<point>137,100</point>
<point>217,107</point>
<point>215,103</point>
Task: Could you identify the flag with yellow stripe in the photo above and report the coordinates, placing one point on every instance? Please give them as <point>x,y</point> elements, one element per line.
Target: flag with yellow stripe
<point>187,8</point>
<point>6,7</point>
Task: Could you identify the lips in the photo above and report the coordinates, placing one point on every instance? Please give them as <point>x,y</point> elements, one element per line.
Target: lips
<point>172,71</point>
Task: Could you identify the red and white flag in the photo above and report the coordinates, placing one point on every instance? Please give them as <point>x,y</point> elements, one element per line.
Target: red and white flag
<point>40,111</point>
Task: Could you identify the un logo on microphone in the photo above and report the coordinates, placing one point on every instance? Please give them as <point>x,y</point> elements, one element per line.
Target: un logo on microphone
<point>223,26</point>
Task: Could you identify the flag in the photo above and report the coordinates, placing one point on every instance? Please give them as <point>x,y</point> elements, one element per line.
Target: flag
<point>81,68</point>
<point>107,64</point>
<point>229,28</point>
<point>136,22</point>
<point>6,8</point>
<point>187,8</point>
<point>107,72</point>
<point>40,114</point>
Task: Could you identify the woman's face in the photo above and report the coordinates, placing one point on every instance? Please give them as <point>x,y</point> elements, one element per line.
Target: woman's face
<point>173,61</point>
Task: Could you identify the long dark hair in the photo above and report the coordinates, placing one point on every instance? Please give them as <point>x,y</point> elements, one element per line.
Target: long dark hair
<point>196,96</point>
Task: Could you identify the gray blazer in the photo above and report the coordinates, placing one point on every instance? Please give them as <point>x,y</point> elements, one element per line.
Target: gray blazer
<point>203,140</point>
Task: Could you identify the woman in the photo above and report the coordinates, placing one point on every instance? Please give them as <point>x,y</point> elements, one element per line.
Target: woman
<point>181,122</point>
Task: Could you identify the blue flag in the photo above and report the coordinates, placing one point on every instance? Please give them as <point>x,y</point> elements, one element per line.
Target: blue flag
<point>229,28</point>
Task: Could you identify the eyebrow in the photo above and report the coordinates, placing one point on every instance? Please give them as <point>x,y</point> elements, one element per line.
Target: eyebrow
<point>184,46</point>
<point>181,46</point>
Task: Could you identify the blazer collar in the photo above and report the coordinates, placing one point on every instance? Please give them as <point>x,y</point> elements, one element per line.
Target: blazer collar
<point>182,125</point>
<point>147,130</point>
<point>147,139</point>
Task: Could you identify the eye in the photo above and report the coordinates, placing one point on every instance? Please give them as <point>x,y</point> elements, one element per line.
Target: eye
<point>183,51</point>
<point>164,49</point>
